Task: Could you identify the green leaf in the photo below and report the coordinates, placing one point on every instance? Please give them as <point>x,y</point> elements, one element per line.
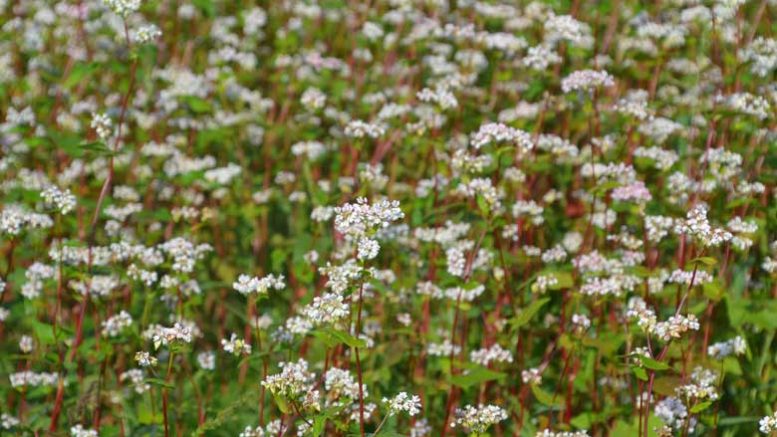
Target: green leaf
<point>706,260</point>
<point>544,397</point>
<point>640,373</point>
<point>159,382</point>
<point>198,105</point>
<point>319,423</point>
<point>476,376</point>
<point>526,315</point>
<point>652,364</point>
<point>333,337</point>
<point>78,74</point>
<point>206,6</point>
<point>712,291</point>
<point>698,408</point>
<point>736,420</point>
<point>43,332</point>
<point>97,147</point>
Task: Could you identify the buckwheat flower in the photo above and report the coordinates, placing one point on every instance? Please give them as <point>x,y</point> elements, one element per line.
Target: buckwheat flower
<point>114,326</point>
<point>146,34</point>
<point>720,350</point>
<point>421,428</point>
<point>7,421</point>
<point>80,431</point>
<point>658,227</point>
<point>340,383</point>
<point>572,241</point>
<point>62,200</point>
<point>697,226</point>
<point>145,359</point>
<point>254,432</point>
<point>701,387</point>
<point>178,333</point>
<point>102,125</point>
<point>405,319</point>
<point>549,433</point>
<point>530,208</point>
<point>311,257</point>
<point>554,255</point>
<point>543,283</point>
<point>368,249</point>
<point>531,376</point>
<point>403,402</point>
<point>369,410</point>
<point>26,344</point>
<point>322,213</point>
<point>500,133</point>
<point>329,308</point>
<point>253,285</point>
<point>586,80</point>
<point>565,27</point>
<point>372,176</point>
<point>362,219</point>
<point>33,379</point>
<point>311,149</point>
<point>662,159</point>
<point>769,265</point>
<point>675,326</point>
<point>768,424</point>
<point>361,129</point>
<point>479,419</point>
<point>440,95</point>
<point>749,104</point>
<point>493,354</point>
<point>636,192</point>
<point>313,99</point>
<point>136,377</point>
<point>484,188</point>
<point>4,313</point>
<point>236,346</point>
<point>293,382</point>
<point>123,7</point>
<point>206,360</point>
<point>540,57</point>
<point>762,55</point>
<point>444,349</point>
<point>673,413</point>
<point>581,322</point>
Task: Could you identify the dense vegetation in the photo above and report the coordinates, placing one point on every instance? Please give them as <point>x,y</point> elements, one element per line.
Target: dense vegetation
<point>388,217</point>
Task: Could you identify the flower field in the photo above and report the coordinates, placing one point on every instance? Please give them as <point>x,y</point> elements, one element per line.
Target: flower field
<point>388,218</point>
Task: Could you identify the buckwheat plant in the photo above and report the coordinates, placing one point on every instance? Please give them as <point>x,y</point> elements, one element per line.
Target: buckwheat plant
<point>390,217</point>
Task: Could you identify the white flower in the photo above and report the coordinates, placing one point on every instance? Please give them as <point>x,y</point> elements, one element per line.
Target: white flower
<point>26,344</point>
<point>249,285</point>
<point>495,353</point>
<point>403,402</point>
<point>144,359</point>
<point>113,326</point>
<point>735,346</point>
<point>7,421</point>
<point>479,419</point>
<point>63,200</point>
<point>146,33</point>
<point>768,424</point>
<point>368,249</point>
<point>361,219</point>
<point>531,376</point>
<point>586,80</point>
<point>206,360</point>
<point>123,7</point>
<point>102,124</point>
<point>235,345</point>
